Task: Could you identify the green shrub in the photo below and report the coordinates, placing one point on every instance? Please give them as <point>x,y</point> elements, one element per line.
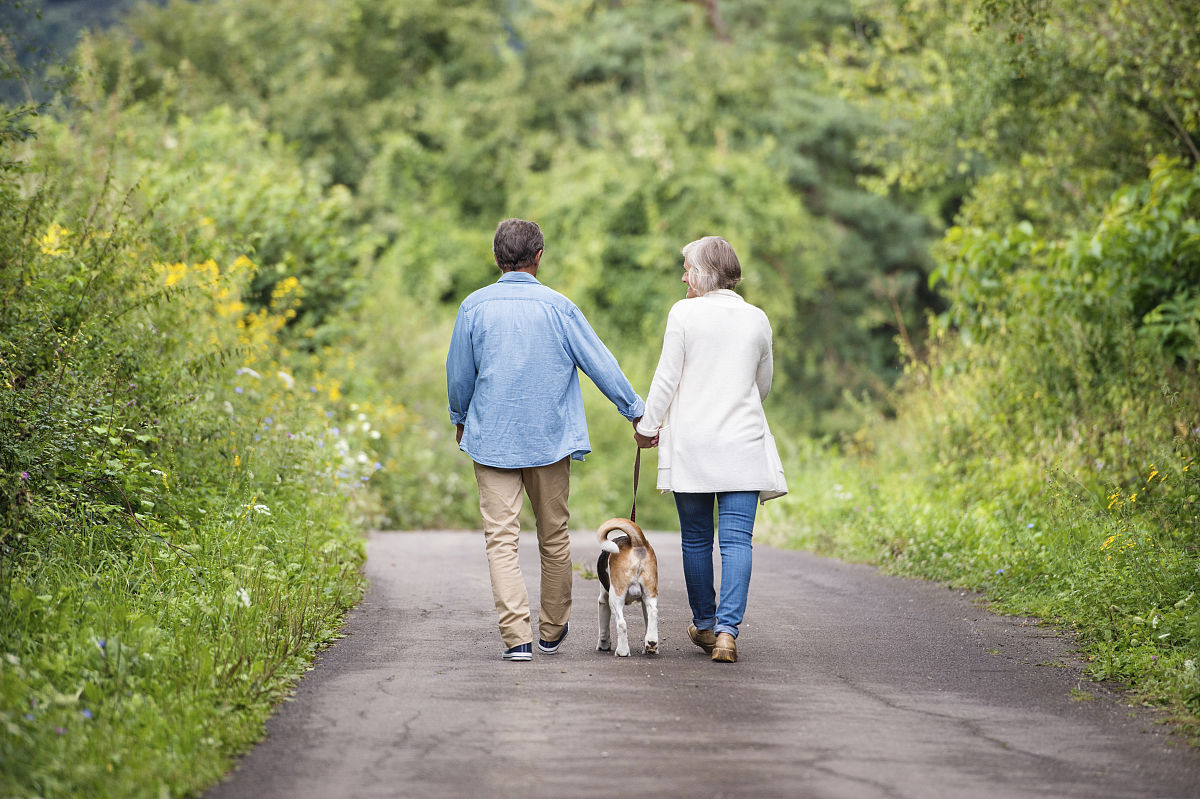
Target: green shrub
<point>1047,454</point>
<point>175,537</point>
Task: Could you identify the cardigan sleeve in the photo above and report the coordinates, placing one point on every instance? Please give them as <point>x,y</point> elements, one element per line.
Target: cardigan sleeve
<point>762,377</point>
<point>666,377</point>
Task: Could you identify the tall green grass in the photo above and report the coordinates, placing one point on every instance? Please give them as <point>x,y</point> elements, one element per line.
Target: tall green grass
<point>1085,515</point>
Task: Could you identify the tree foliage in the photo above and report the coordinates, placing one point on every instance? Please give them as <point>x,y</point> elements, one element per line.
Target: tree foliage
<point>627,131</point>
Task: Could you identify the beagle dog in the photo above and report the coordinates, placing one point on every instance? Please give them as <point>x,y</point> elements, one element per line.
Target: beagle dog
<point>628,571</point>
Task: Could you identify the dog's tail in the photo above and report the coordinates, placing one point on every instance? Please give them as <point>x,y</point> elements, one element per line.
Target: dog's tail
<point>625,527</point>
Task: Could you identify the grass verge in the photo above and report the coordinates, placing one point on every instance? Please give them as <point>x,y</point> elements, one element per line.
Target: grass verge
<point>1118,565</point>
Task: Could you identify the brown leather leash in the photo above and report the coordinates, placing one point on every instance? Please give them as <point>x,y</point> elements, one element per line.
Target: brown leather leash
<point>637,469</point>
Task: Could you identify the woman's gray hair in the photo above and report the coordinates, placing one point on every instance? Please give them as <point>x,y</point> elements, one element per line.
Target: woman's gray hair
<point>714,264</point>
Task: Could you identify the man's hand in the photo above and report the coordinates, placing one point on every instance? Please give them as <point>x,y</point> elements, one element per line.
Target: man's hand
<point>458,434</point>
<point>643,442</point>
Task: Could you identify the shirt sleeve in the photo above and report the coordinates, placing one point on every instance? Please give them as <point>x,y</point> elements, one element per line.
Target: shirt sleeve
<point>595,361</point>
<point>460,369</point>
<point>762,377</point>
<point>666,377</point>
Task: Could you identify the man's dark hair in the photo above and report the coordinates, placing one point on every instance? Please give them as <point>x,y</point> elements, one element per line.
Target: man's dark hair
<point>516,244</point>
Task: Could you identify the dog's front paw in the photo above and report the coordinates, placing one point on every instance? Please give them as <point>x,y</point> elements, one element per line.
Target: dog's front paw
<point>651,648</point>
<point>623,651</point>
<point>603,646</point>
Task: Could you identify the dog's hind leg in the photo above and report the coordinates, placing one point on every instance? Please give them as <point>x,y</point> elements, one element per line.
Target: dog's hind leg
<point>617,605</point>
<point>650,611</point>
<point>602,643</point>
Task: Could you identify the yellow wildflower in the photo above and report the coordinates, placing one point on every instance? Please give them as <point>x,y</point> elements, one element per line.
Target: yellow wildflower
<point>175,272</point>
<point>288,286</point>
<point>53,243</point>
<point>209,269</point>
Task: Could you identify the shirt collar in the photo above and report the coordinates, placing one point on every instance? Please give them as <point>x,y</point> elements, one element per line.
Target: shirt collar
<point>518,277</point>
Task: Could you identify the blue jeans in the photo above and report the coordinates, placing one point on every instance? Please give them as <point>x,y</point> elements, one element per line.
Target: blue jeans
<point>735,512</point>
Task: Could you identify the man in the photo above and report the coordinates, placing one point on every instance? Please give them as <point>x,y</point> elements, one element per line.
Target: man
<point>513,383</point>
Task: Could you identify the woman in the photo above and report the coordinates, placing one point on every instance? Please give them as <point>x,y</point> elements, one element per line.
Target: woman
<point>714,447</point>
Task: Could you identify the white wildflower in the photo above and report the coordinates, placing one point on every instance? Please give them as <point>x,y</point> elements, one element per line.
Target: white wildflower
<point>263,509</point>
<point>244,597</point>
<point>287,379</point>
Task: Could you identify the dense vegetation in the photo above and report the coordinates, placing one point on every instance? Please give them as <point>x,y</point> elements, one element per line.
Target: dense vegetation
<point>1045,444</point>
<point>230,253</point>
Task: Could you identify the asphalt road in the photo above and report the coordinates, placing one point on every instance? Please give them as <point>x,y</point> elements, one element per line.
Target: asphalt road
<point>850,684</point>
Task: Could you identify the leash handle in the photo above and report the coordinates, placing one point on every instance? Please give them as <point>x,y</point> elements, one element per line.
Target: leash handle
<point>637,469</point>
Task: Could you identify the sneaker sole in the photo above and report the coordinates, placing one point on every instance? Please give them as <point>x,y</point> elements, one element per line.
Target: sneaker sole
<point>518,656</point>
<point>552,650</point>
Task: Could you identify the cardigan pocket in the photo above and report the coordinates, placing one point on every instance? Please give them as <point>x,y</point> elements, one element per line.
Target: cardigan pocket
<point>774,470</point>
<point>664,458</point>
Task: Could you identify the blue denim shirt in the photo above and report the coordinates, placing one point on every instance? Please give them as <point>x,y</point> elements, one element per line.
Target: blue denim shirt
<point>512,377</point>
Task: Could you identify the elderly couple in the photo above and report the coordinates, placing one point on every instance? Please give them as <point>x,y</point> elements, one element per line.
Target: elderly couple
<point>512,377</point>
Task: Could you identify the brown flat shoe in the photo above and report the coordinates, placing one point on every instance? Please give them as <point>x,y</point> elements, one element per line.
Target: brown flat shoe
<point>702,638</point>
<point>724,649</point>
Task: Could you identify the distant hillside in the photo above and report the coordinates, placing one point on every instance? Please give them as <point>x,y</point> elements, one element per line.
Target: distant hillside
<point>41,34</point>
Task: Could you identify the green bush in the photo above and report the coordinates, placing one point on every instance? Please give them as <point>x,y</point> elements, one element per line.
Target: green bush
<point>175,536</point>
<point>1047,455</point>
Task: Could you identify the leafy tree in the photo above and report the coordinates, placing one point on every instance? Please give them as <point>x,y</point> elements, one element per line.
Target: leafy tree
<point>627,129</point>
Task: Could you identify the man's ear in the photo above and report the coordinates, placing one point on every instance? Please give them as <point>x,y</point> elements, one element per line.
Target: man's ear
<point>537,259</point>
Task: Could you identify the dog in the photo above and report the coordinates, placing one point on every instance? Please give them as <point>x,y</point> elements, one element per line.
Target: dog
<point>628,571</point>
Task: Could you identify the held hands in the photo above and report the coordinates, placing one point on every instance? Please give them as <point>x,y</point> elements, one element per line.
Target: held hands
<point>643,442</point>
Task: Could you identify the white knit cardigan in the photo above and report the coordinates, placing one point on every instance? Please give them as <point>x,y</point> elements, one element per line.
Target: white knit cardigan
<point>705,401</point>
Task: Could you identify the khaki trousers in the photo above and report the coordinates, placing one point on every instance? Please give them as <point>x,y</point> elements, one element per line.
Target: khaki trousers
<point>500,498</point>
